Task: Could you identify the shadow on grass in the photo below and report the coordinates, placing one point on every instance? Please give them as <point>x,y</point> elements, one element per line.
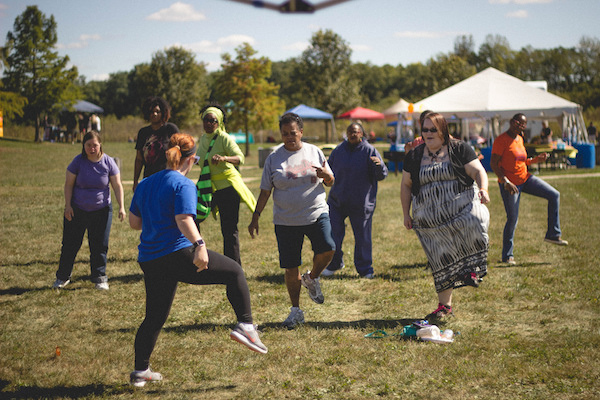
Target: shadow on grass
<point>522,265</point>
<point>111,260</point>
<point>78,392</point>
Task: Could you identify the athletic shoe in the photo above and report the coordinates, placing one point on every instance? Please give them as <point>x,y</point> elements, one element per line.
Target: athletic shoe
<point>102,286</point>
<point>329,272</point>
<point>59,284</point>
<point>296,317</point>
<point>441,313</point>
<point>368,276</point>
<point>139,378</point>
<point>557,241</point>
<point>510,261</point>
<point>471,279</point>
<point>314,288</point>
<point>247,335</point>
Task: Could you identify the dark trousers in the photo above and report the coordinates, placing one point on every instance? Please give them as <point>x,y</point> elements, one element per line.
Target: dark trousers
<point>161,277</point>
<point>361,223</point>
<point>97,223</point>
<point>228,201</point>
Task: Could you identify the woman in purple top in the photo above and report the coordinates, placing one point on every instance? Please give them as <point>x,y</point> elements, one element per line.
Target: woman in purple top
<point>88,207</point>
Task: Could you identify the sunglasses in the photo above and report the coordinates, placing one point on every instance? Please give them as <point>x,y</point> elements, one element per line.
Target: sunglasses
<point>196,160</point>
<point>432,130</point>
<point>210,120</point>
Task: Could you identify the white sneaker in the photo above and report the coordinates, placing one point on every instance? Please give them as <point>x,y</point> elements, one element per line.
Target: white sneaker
<point>139,378</point>
<point>314,288</point>
<point>247,335</point>
<point>296,317</point>
<point>59,284</point>
<point>102,286</point>
<point>559,241</point>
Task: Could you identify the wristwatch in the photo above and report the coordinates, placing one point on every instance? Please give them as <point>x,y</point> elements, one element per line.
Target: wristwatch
<point>198,243</point>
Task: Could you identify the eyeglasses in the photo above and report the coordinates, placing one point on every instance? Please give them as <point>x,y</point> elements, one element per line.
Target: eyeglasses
<point>432,130</point>
<point>196,160</point>
<point>210,120</point>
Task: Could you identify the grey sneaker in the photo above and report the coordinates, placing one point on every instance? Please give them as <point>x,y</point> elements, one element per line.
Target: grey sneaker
<point>314,288</point>
<point>102,286</point>
<point>296,317</point>
<point>59,284</point>
<point>248,336</point>
<point>139,378</point>
<point>329,272</point>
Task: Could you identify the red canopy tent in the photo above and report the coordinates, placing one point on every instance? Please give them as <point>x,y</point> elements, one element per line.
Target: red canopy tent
<point>362,113</point>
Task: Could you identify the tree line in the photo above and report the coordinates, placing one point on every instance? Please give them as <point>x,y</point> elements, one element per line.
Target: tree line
<point>257,90</point>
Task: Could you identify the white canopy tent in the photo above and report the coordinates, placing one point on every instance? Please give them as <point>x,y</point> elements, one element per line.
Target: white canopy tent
<point>400,111</point>
<point>494,97</point>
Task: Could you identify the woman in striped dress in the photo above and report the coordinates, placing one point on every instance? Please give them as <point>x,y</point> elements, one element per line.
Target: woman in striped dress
<point>446,185</point>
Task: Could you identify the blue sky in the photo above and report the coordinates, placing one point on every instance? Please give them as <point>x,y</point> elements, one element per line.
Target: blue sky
<point>101,37</point>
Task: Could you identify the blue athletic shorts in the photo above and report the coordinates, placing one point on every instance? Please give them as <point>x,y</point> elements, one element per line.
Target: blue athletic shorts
<point>291,238</point>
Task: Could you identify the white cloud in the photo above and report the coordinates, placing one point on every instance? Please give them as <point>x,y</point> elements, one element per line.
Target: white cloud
<point>235,40</point>
<point>296,46</point>
<point>426,34</point>
<point>520,1</point>
<point>518,14</point>
<point>100,77</point>
<point>84,41</point>
<point>204,46</point>
<point>177,12</point>
<point>360,47</point>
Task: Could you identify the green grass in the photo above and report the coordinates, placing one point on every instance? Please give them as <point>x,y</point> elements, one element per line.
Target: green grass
<point>529,332</point>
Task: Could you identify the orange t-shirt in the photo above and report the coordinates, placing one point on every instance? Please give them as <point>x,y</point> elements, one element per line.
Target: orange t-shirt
<point>513,158</point>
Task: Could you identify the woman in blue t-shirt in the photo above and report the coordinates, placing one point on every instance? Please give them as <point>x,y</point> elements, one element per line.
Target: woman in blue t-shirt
<point>171,250</point>
<point>88,207</point>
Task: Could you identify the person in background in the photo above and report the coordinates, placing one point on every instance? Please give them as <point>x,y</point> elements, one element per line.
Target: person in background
<point>228,187</point>
<point>153,140</point>
<point>95,123</point>
<point>357,167</point>
<point>509,162</point>
<point>171,250</point>
<point>592,133</point>
<point>545,133</point>
<point>88,207</point>
<point>295,173</point>
<point>418,140</point>
<point>447,187</point>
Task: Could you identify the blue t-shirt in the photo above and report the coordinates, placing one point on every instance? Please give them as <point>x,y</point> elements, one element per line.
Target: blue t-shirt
<point>91,191</point>
<point>157,200</point>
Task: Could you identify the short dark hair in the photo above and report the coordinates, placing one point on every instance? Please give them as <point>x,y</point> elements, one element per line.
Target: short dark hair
<point>518,116</point>
<point>89,135</point>
<point>356,124</point>
<point>288,118</point>
<point>154,101</point>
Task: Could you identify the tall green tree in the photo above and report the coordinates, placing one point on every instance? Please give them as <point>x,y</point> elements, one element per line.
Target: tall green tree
<point>175,75</point>
<point>35,70</point>
<point>323,76</point>
<point>11,103</point>
<point>244,80</point>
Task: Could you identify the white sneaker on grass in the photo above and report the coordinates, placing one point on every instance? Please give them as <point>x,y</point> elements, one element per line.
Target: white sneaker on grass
<point>102,285</point>
<point>314,288</point>
<point>140,378</point>
<point>247,335</point>
<point>59,284</point>
<point>329,272</point>
<point>296,317</point>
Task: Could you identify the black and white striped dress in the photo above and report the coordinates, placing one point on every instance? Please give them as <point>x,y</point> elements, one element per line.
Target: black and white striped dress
<point>451,225</point>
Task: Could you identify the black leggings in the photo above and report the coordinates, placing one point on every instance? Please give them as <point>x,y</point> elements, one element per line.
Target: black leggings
<point>161,277</point>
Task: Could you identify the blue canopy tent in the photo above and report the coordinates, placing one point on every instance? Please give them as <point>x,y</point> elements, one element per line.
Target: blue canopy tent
<point>86,106</point>
<point>307,112</point>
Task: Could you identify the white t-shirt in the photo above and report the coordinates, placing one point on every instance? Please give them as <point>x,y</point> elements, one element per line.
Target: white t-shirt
<point>298,194</point>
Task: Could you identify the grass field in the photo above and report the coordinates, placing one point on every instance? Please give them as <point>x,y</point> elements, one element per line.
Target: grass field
<point>531,331</point>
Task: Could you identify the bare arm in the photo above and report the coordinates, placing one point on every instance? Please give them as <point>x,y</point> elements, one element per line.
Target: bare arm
<point>135,222</point>
<point>476,171</point>
<point>187,226</point>
<point>405,198</point>
<point>495,164</point>
<point>115,182</point>
<point>137,168</point>
<point>263,198</point>
<point>69,184</point>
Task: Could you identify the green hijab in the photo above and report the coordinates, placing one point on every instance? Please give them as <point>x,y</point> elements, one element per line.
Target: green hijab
<point>219,114</point>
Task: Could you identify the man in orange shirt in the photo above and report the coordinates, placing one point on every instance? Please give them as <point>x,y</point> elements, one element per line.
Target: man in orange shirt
<point>509,162</point>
